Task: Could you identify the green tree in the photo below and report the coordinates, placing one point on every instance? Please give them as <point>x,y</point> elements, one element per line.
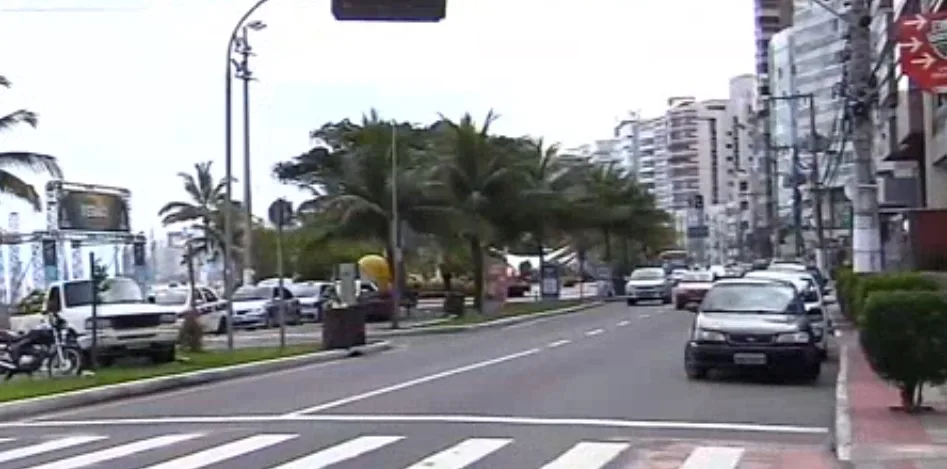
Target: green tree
<point>480,182</point>
<point>11,184</point>
<point>205,211</point>
<point>352,175</point>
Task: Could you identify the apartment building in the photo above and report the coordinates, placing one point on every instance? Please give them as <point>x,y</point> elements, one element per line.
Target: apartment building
<point>745,191</point>
<point>642,145</point>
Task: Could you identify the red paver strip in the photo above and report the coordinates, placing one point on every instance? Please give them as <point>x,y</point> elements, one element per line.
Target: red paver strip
<point>871,399</point>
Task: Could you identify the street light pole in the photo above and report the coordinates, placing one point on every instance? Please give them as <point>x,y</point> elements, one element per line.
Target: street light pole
<point>243,73</point>
<point>395,230</point>
<point>228,171</point>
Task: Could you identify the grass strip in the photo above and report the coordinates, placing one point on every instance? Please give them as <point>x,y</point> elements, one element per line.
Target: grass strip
<point>22,387</point>
<point>513,309</point>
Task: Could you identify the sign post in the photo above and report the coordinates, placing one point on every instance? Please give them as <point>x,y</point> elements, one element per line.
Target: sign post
<point>922,40</point>
<point>280,213</point>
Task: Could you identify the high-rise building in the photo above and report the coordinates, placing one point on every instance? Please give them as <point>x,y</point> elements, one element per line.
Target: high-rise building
<point>772,16</point>
<point>642,144</point>
<point>744,201</point>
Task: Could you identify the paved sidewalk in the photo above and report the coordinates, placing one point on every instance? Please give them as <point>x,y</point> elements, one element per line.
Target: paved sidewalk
<point>881,438</point>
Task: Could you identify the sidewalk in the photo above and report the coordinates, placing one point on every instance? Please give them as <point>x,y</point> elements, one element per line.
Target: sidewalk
<point>872,436</point>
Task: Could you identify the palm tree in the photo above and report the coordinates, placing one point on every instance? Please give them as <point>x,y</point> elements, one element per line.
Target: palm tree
<point>480,184</point>
<point>10,184</point>
<point>205,211</point>
<point>351,177</point>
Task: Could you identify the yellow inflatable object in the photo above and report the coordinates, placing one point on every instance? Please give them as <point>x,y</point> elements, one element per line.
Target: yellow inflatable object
<point>375,268</point>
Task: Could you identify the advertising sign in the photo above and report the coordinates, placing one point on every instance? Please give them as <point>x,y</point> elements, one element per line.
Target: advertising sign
<point>549,288</point>
<point>93,211</point>
<point>922,42</point>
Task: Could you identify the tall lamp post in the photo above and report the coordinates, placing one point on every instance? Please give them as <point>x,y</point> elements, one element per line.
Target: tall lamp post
<point>243,73</point>
<point>418,11</point>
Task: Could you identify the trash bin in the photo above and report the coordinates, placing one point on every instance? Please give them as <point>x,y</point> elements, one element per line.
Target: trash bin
<point>343,327</point>
<point>454,303</point>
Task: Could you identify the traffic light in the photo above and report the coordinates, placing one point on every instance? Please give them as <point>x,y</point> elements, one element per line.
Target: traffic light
<point>699,201</point>
<point>424,11</point>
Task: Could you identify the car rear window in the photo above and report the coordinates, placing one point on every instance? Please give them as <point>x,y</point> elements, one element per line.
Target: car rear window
<point>751,298</point>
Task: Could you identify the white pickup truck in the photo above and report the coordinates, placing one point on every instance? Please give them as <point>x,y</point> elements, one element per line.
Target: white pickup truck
<point>127,324</point>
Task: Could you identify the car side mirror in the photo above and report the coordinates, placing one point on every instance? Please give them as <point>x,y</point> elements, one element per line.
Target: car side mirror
<point>692,307</point>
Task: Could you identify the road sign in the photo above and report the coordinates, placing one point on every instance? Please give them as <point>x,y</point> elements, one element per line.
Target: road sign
<point>922,42</point>
<point>280,212</point>
<point>700,231</point>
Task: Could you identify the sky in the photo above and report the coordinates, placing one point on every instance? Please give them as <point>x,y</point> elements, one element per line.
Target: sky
<point>131,92</point>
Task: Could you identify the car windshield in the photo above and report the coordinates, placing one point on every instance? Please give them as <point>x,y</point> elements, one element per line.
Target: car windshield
<point>252,293</point>
<point>306,290</point>
<point>749,298</point>
<point>112,291</point>
<point>702,276</point>
<point>171,297</point>
<point>647,274</point>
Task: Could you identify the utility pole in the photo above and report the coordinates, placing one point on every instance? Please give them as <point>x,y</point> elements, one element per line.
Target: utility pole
<point>797,201</point>
<point>866,237</point>
<point>395,230</point>
<point>816,185</point>
<point>735,141</point>
<point>243,73</point>
<point>772,207</point>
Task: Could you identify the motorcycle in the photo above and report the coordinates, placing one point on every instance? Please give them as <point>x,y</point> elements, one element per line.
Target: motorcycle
<point>51,344</point>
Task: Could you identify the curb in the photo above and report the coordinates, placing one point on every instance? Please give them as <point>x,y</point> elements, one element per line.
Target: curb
<point>843,417</point>
<point>84,397</point>
<point>497,323</point>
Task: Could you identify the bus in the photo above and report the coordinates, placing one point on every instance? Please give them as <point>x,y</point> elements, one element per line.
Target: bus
<point>674,259</point>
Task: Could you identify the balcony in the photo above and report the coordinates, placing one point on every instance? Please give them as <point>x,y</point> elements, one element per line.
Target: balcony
<point>907,130</point>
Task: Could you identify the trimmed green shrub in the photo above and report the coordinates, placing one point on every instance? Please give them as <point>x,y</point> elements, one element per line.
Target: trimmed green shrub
<point>904,335</point>
<point>846,283</point>
<point>904,281</point>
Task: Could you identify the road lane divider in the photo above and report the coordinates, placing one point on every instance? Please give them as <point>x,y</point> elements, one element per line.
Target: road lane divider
<point>623,323</point>
<point>414,382</point>
<point>559,343</point>
<point>594,332</point>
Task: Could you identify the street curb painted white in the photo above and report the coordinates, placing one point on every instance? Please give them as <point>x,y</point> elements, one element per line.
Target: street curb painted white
<point>843,417</point>
<point>496,323</point>
<point>84,397</point>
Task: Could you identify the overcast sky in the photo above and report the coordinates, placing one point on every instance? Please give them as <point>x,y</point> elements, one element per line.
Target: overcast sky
<point>129,97</point>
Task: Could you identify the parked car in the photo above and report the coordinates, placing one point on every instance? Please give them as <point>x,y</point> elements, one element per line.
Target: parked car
<point>752,323</point>
<point>255,306</point>
<point>648,283</point>
<point>811,295</point>
<point>692,287</point>
<point>312,298</point>
<point>211,309</point>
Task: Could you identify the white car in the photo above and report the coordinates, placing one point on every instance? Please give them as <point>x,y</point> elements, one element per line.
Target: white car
<point>806,284</point>
<point>212,310</point>
<point>648,283</point>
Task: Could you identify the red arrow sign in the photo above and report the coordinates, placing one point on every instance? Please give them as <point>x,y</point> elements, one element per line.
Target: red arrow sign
<point>922,42</point>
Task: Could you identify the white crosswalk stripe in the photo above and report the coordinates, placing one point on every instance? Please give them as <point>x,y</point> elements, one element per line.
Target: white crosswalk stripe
<point>46,447</point>
<point>463,454</point>
<point>223,452</point>
<point>88,459</point>
<point>589,455</point>
<point>341,452</point>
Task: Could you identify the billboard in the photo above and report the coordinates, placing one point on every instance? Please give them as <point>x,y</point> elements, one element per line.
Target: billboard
<point>93,211</point>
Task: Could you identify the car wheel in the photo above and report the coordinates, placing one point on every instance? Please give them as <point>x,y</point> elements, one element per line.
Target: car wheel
<point>668,300</point>
<point>679,304</point>
<point>631,302</point>
<point>823,355</point>
<point>221,326</point>
<point>695,372</point>
<point>165,355</point>
<point>812,372</point>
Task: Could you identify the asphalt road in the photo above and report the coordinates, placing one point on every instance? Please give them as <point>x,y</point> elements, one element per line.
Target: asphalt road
<point>600,389</point>
<point>428,311</point>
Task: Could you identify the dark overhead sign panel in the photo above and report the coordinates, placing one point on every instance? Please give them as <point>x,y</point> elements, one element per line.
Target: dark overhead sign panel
<point>93,211</point>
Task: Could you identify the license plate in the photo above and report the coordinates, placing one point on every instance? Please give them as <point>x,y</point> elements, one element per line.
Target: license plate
<point>749,358</point>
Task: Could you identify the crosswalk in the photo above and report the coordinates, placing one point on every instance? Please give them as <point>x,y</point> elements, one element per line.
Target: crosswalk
<point>158,451</point>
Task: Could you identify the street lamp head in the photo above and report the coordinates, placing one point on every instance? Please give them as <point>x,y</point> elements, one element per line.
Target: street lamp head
<point>256,25</point>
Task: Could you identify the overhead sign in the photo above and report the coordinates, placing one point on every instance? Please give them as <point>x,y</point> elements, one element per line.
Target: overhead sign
<point>280,212</point>
<point>93,211</point>
<point>922,41</point>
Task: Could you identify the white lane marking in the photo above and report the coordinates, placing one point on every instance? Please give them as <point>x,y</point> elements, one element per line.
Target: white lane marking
<point>588,455</point>
<point>530,323</point>
<point>471,419</point>
<point>594,332</point>
<point>223,452</point>
<point>713,457</point>
<point>5,440</point>
<point>414,382</point>
<point>559,343</point>
<point>462,454</point>
<point>90,459</point>
<point>340,452</point>
<point>644,316</point>
<point>623,323</point>
<point>46,447</point>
